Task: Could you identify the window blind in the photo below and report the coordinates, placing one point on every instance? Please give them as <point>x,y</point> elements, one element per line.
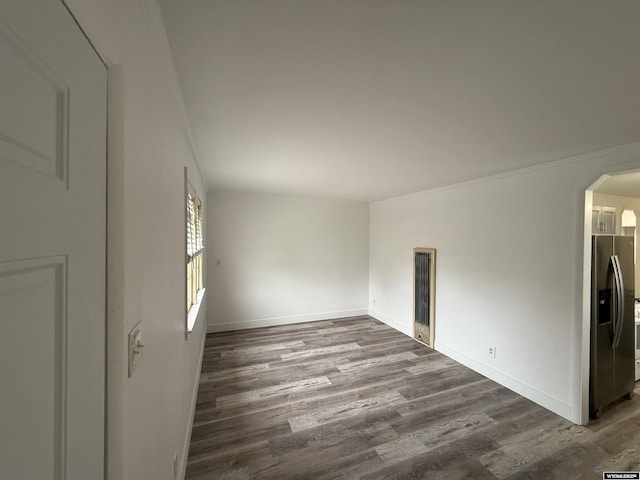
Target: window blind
<point>194,226</point>
<point>190,227</point>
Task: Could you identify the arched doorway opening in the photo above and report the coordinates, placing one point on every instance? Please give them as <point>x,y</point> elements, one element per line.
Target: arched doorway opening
<point>612,208</point>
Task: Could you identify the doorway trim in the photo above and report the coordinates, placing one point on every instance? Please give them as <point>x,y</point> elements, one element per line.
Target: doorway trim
<point>585,337</point>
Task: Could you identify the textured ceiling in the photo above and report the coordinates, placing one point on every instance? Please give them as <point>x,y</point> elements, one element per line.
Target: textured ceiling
<point>369,99</point>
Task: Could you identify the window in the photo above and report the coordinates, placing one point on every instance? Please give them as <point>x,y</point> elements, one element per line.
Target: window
<point>195,254</point>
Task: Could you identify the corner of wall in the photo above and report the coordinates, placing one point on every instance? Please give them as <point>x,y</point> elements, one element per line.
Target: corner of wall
<point>399,326</point>
<point>184,454</point>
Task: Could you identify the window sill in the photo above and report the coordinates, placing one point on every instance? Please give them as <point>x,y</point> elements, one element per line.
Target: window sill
<point>192,316</point>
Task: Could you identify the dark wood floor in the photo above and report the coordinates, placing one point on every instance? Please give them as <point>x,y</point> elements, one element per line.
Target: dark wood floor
<point>355,399</point>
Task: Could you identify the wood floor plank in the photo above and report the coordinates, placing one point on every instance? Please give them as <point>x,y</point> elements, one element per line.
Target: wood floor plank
<point>253,349</point>
<point>530,447</point>
<point>353,399</point>
<point>337,413</point>
<point>360,365</point>
<point>313,352</point>
<point>282,389</point>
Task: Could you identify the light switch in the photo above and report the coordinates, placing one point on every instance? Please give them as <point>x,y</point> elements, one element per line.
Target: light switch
<point>135,347</point>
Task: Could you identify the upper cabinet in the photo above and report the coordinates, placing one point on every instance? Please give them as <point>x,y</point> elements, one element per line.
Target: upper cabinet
<point>603,220</point>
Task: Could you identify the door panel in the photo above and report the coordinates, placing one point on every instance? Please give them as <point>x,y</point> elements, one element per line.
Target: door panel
<point>33,125</point>
<point>33,290</point>
<point>625,352</point>
<point>52,245</point>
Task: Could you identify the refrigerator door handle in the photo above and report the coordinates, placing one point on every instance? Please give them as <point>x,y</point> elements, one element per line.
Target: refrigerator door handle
<point>619,317</point>
<point>615,306</point>
<point>620,301</point>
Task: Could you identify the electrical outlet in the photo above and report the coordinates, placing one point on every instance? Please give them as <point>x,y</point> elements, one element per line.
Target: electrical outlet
<point>492,352</point>
<point>374,301</point>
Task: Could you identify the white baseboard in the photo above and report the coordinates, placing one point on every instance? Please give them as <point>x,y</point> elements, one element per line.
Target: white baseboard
<point>407,330</point>
<point>550,403</point>
<point>182,459</point>
<point>272,322</point>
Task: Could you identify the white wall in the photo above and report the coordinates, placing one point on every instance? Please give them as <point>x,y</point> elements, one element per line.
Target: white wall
<point>284,259</point>
<point>621,204</point>
<point>149,415</point>
<point>509,272</point>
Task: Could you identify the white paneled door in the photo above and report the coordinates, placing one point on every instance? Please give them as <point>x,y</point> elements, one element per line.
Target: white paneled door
<point>52,246</point>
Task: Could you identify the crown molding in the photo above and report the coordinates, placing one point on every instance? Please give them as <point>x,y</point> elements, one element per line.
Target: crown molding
<point>629,147</point>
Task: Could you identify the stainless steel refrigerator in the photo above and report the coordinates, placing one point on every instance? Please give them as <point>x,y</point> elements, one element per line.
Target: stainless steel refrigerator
<point>612,321</point>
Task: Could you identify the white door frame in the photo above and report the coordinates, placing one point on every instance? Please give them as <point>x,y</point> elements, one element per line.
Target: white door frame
<point>585,338</point>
